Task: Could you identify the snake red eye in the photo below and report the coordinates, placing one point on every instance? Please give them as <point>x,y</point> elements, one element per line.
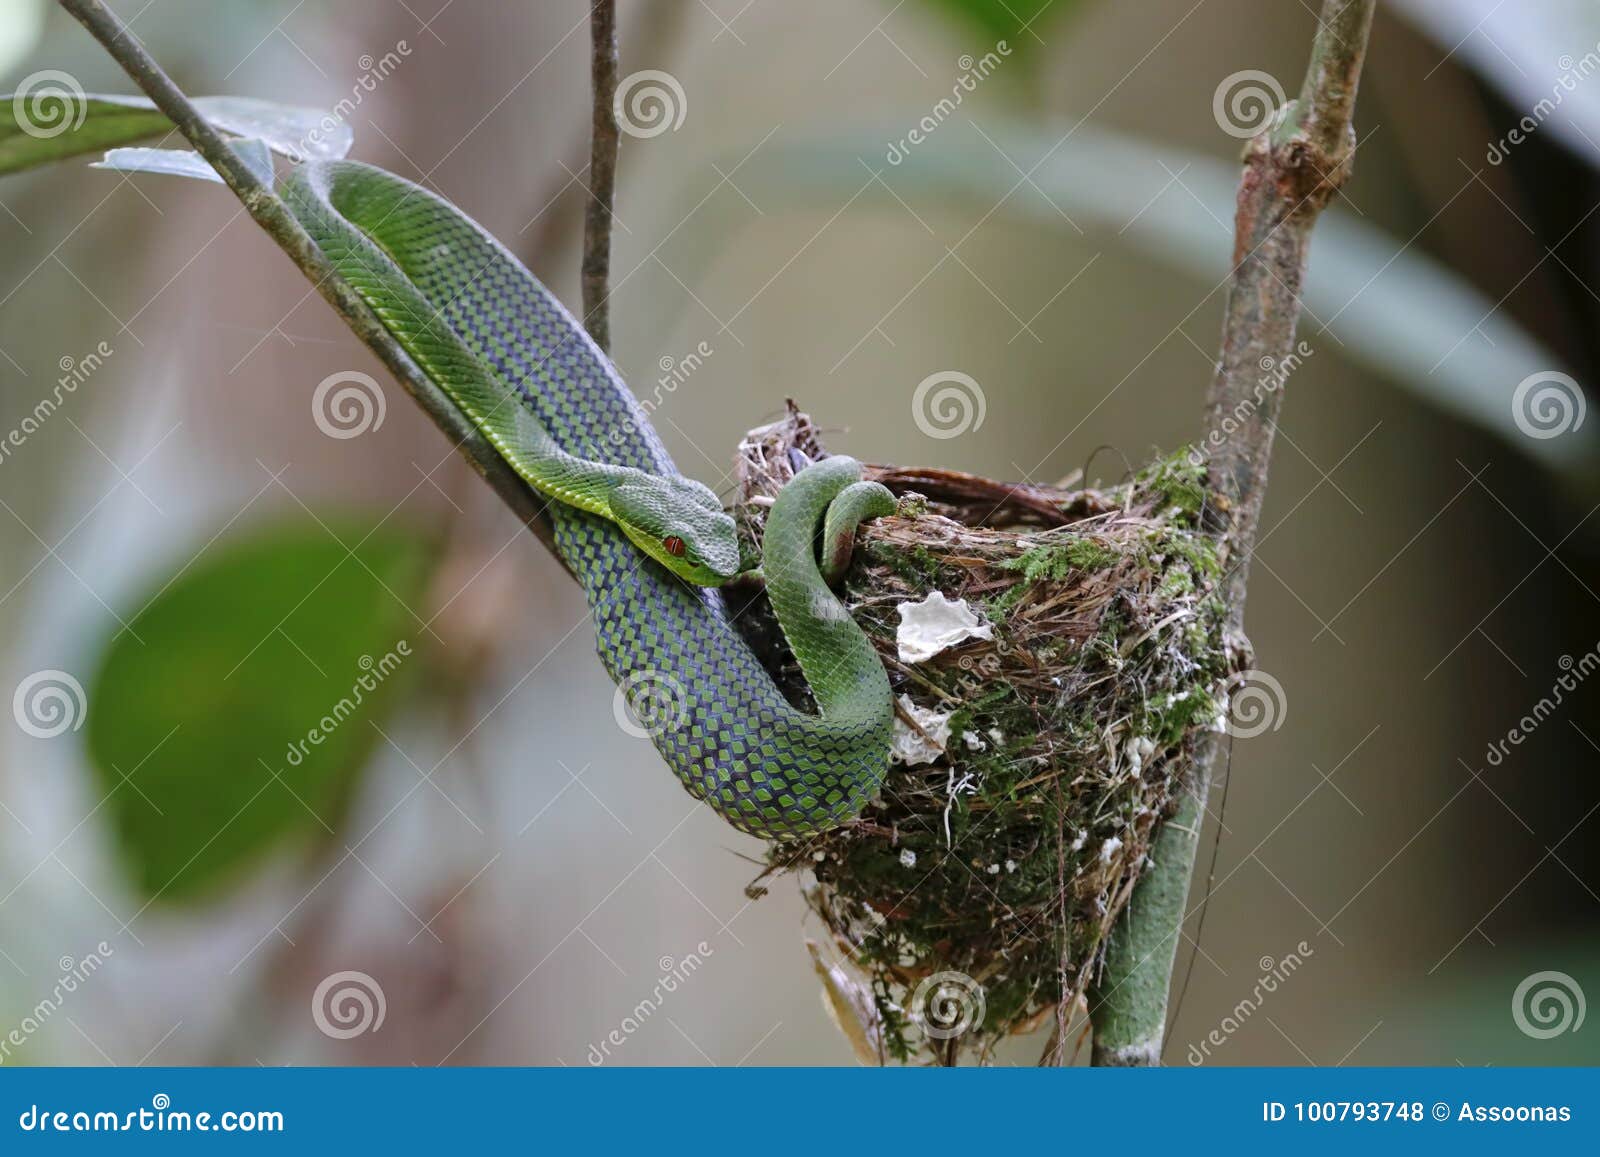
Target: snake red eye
<point>673,545</point>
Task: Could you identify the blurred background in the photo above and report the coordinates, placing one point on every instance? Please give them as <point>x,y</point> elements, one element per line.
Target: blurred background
<point>196,563</point>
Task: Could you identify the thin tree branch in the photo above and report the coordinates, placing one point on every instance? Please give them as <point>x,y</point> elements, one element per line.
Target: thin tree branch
<point>657,27</point>
<point>1328,95</point>
<point>269,211</point>
<point>602,175</point>
<point>1292,169</point>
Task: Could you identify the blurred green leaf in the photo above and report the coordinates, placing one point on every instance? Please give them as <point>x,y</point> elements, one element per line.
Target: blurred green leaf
<point>1014,21</point>
<point>238,707</point>
<point>52,119</point>
<point>32,135</point>
<point>1523,1004</point>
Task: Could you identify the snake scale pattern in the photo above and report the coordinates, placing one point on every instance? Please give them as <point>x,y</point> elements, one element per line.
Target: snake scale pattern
<point>484,328</point>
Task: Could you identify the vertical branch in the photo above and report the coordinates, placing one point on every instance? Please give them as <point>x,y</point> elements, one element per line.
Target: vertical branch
<point>1291,171</point>
<point>602,174</point>
<point>658,25</point>
<point>1130,1018</point>
<point>269,211</point>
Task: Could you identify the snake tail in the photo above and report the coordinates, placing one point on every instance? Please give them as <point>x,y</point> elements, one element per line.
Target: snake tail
<point>846,677</point>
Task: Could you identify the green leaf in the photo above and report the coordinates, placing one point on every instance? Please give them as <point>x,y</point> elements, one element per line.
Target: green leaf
<point>238,707</point>
<point>1014,21</point>
<point>53,119</point>
<point>32,134</point>
<point>1525,1003</point>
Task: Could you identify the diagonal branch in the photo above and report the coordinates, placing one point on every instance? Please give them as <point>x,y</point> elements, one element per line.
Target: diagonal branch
<point>269,211</point>
<point>1291,171</point>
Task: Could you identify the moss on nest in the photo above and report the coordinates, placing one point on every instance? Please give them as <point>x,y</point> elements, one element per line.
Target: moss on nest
<point>1001,865</point>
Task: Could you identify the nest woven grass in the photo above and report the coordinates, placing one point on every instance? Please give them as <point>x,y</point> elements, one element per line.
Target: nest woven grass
<point>972,900</point>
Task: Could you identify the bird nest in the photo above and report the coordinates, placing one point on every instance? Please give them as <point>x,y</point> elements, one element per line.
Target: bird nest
<point>1034,757</point>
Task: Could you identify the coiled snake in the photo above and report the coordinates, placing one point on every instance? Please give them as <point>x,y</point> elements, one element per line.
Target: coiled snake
<point>648,545</point>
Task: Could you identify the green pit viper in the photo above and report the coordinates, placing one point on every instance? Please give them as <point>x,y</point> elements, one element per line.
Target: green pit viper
<point>648,545</point>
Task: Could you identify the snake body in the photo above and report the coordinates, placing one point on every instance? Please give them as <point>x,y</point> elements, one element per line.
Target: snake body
<point>514,360</point>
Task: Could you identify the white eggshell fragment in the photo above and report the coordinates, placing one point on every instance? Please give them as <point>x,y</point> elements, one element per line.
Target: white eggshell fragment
<point>915,748</point>
<point>936,624</point>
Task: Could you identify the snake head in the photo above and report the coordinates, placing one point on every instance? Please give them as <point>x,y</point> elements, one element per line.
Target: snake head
<point>679,523</point>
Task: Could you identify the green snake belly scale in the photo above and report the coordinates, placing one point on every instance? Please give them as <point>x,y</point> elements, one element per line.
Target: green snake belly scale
<point>506,350</point>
